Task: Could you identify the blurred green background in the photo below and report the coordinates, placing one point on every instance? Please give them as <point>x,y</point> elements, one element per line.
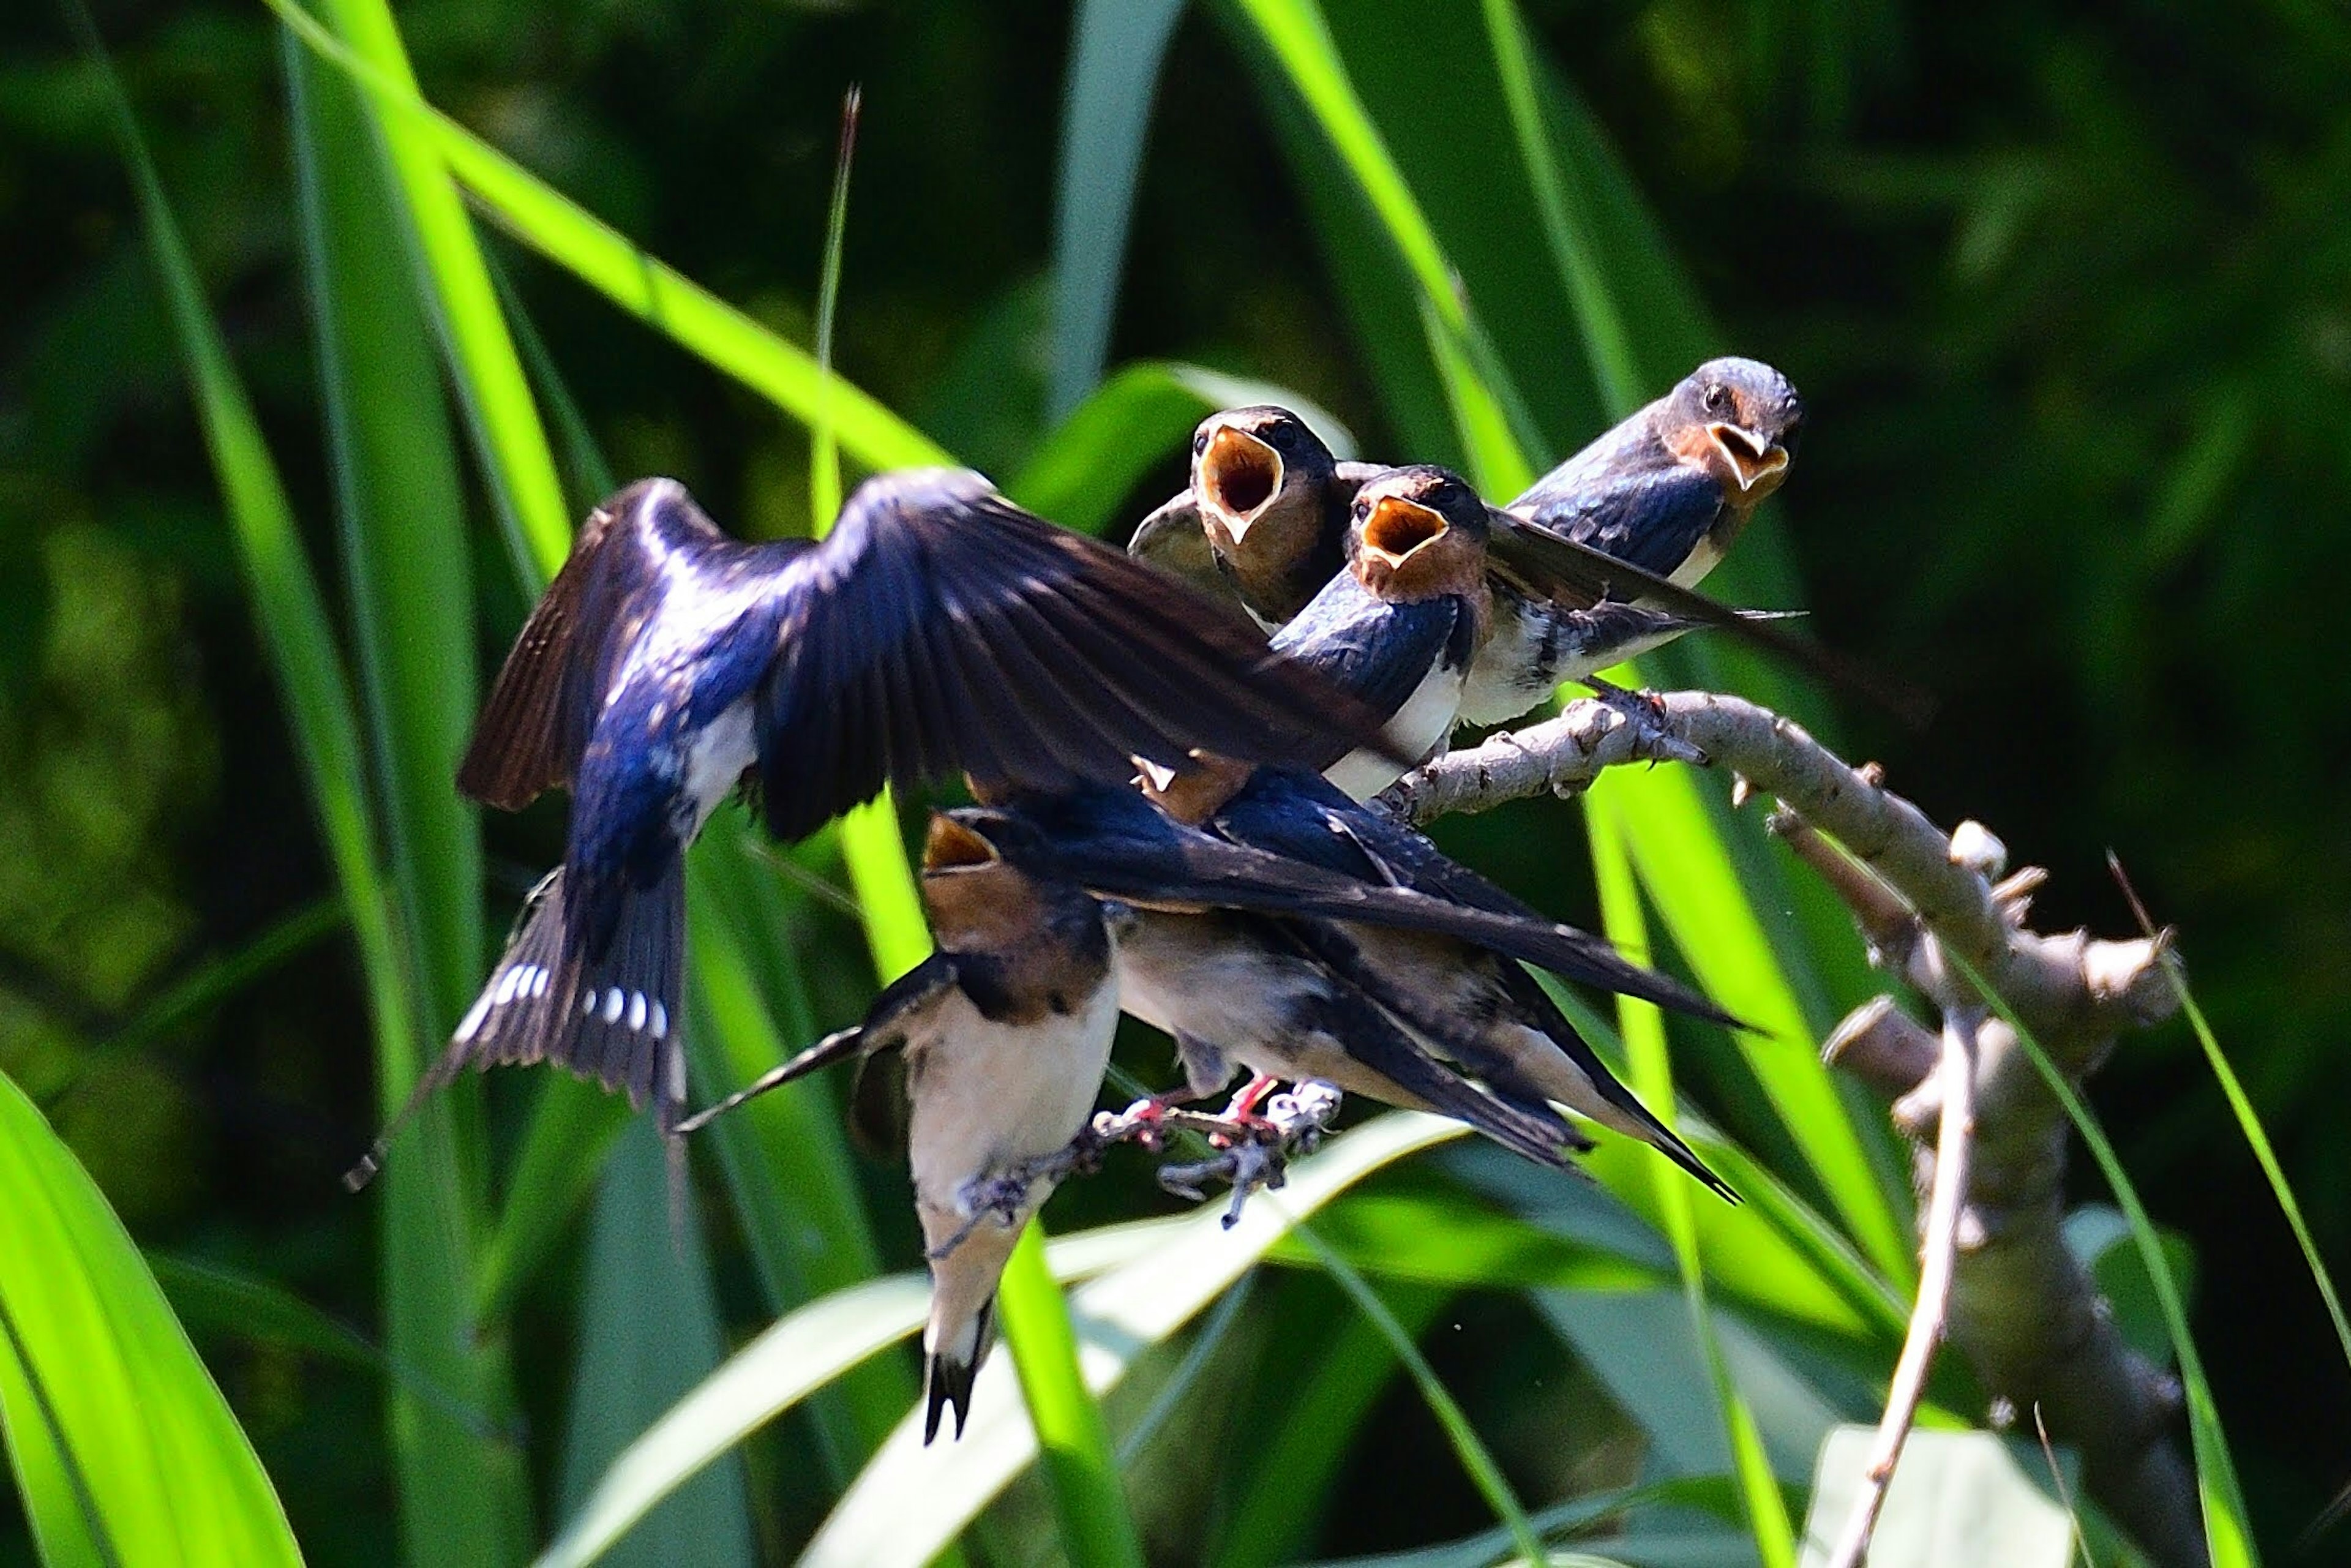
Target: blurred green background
<point>2067,291</point>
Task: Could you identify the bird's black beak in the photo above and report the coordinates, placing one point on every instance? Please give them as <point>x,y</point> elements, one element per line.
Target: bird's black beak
<point>1753,459</point>
<point>1397,528</point>
<point>1238,476</point>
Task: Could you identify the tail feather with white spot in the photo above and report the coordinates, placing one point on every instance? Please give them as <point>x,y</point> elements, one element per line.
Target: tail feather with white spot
<point>617,1017</point>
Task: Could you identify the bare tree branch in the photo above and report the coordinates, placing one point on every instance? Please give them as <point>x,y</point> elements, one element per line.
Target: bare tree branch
<point>2022,1308</point>
<point>1938,1250</point>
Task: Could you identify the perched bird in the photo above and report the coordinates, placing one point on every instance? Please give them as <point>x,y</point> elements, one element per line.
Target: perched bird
<point>1234,990</point>
<point>1270,511</point>
<point>1465,999</point>
<point>937,627</point>
<point>1427,626</point>
<point>1401,626</point>
<point>1005,1030</point>
<point>1120,845</point>
<point>1266,509</point>
<point>1364,958</point>
<point>1670,488</point>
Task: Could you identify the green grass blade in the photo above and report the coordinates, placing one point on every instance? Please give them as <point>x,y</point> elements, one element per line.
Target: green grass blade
<point>2228,1533</point>
<point>405,565</point>
<point>428,1325</point>
<point>789,1360</point>
<point>1475,1458</point>
<point>912,1501</point>
<point>1299,39</point>
<point>1073,1440</point>
<point>1765,1508</point>
<point>219,979</point>
<point>1354,1362</point>
<point>211,1298</point>
<point>2257,1137</point>
<point>1114,69</point>
<point>600,256</point>
<point>1607,342</point>
<point>640,1274</point>
<point>453,277</point>
<point>124,1451</point>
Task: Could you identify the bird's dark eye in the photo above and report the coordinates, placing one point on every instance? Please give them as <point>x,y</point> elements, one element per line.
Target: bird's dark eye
<point>1717,398</point>
<point>1199,442</point>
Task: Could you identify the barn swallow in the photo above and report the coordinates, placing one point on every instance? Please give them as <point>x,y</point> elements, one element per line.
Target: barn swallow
<point>1120,845</point>
<point>1462,996</point>
<point>1403,624</point>
<point>1269,508</point>
<point>1005,1030</point>
<point>1671,487</point>
<point>1269,501</point>
<point>1234,990</point>
<point>937,626</point>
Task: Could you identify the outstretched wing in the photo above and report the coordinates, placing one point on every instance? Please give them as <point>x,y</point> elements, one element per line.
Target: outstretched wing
<point>535,725</point>
<point>940,628</point>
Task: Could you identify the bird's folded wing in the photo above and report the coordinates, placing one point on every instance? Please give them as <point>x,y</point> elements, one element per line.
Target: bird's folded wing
<point>1556,566</point>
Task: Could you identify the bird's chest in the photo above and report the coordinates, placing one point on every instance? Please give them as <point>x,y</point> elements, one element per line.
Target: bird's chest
<point>1418,731</point>
<point>987,1095</point>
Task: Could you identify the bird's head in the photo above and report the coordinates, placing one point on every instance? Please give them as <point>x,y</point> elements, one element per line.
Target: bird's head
<point>1416,533</point>
<point>976,898</point>
<point>1258,465</point>
<point>1739,419</point>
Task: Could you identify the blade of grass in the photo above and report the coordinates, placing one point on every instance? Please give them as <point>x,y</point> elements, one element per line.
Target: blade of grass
<point>789,1360</point>
<point>698,320</point>
<point>1079,1470</point>
<point>1766,1510</point>
<point>2228,1532</point>
<point>912,1500</point>
<point>638,1273</point>
<point>405,560</point>
<point>124,1451</point>
<point>1475,1458</point>
<point>1113,73</point>
<point>209,1298</point>
<point>217,980</point>
<point>2249,1119</point>
<point>1354,1362</point>
<point>426,1327</point>
<point>452,278</point>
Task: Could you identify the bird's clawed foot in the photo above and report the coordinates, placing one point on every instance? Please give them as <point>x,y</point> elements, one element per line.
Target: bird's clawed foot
<point>1255,1148</point>
<point>1645,713</point>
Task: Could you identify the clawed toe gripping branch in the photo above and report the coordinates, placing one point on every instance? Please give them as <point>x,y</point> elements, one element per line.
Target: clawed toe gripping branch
<point>1989,1138</point>
<point>1253,1151</point>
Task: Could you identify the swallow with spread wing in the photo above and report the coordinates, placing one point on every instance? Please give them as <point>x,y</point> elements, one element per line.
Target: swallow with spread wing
<point>938,627</point>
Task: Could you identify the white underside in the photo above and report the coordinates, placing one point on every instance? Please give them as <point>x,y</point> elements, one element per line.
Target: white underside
<point>1419,728</point>
<point>716,762</point>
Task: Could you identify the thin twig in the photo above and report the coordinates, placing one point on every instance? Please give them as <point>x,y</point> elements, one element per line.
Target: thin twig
<point>1939,1255</point>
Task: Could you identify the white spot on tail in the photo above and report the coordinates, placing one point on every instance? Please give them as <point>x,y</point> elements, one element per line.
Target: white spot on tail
<point>613,1002</point>
<point>539,979</point>
<point>661,1020</point>
<point>473,1020</point>
<point>636,1010</point>
<point>507,984</point>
